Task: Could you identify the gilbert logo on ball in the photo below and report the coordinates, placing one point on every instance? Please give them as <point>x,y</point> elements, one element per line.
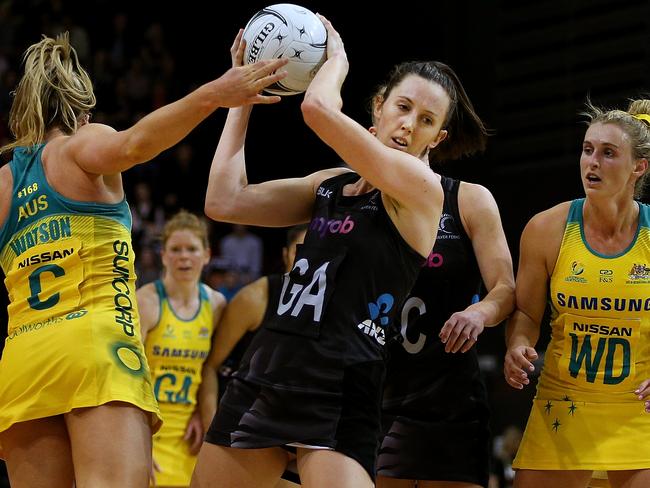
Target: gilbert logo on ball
<point>287,31</point>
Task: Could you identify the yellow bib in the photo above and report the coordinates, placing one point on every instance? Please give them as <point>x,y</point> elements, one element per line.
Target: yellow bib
<point>600,312</point>
<point>73,338</point>
<point>177,349</point>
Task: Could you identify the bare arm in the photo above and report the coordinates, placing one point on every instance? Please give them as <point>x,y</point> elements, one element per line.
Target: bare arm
<point>399,175</point>
<point>482,222</point>
<point>244,313</point>
<point>99,149</point>
<point>149,309</point>
<point>230,198</point>
<point>540,243</point>
<point>208,391</point>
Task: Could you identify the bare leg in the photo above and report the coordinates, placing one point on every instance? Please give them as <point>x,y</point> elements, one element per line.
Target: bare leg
<point>638,478</point>
<point>228,467</point>
<point>38,454</point>
<point>530,478</point>
<point>111,446</point>
<point>323,469</point>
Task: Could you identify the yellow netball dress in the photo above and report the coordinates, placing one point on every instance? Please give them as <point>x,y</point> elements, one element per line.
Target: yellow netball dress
<point>177,349</point>
<point>585,414</point>
<point>73,336</point>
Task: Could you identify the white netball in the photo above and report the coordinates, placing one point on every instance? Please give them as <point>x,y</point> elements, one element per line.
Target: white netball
<point>287,31</point>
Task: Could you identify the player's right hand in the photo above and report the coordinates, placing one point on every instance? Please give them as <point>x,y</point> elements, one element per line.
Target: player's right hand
<point>242,85</point>
<point>518,364</point>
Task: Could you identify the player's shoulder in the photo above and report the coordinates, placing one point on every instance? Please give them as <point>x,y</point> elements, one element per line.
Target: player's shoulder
<point>147,290</point>
<point>554,217</point>
<point>544,230</point>
<point>216,298</point>
<point>253,292</point>
<point>474,196</point>
<point>148,299</point>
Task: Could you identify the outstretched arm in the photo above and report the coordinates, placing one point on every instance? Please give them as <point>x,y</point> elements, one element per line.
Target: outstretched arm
<point>229,196</point>
<point>482,222</point>
<point>99,149</point>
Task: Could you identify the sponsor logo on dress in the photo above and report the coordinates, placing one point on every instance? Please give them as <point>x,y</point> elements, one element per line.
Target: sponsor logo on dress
<point>577,269</point>
<point>434,260</point>
<point>376,325</point>
<point>372,203</point>
<point>324,226</point>
<point>323,192</point>
<point>640,273</point>
<point>169,332</point>
<point>446,228</point>
<point>606,276</point>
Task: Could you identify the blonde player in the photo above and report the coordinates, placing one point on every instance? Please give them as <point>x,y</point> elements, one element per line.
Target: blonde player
<point>590,258</point>
<point>73,374</point>
<point>178,314</point>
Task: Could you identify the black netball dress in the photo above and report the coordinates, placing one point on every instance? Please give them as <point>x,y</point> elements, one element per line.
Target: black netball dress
<point>434,407</point>
<point>314,371</point>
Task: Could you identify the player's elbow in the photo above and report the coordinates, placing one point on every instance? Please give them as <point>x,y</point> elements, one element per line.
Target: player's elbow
<point>222,208</point>
<point>314,111</point>
<point>216,208</point>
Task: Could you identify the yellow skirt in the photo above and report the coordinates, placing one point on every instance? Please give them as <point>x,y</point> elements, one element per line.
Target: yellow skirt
<point>170,450</point>
<point>78,360</point>
<point>567,435</point>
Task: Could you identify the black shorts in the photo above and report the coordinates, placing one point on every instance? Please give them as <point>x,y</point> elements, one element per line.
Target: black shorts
<point>252,416</point>
<point>440,451</point>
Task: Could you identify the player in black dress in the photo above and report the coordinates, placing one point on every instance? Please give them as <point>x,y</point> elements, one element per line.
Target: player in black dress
<point>434,408</point>
<point>312,378</point>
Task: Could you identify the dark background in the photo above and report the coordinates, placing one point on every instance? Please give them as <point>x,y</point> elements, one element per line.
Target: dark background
<point>527,66</point>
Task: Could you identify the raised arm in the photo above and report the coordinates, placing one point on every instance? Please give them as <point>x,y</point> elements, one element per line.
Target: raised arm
<point>230,198</point>
<point>482,223</point>
<point>399,175</point>
<point>540,243</point>
<point>99,149</point>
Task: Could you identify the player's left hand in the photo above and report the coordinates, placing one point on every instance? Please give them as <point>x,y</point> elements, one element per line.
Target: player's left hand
<point>643,392</point>
<point>461,331</point>
<point>194,432</point>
